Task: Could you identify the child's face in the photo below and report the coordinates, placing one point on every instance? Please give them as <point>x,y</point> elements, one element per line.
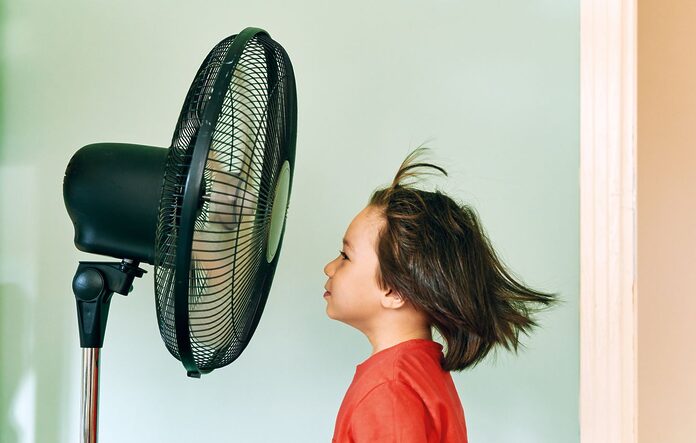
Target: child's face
<point>353,295</point>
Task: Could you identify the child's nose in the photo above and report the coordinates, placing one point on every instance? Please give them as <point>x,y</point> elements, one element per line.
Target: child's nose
<point>328,268</point>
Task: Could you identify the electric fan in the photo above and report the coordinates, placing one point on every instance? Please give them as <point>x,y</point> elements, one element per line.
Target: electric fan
<point>208,212</point>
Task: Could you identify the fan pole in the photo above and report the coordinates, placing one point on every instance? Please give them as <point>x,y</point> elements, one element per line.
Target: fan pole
<point>90,395</point>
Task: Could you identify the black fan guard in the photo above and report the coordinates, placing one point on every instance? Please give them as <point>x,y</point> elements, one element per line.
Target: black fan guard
<point>245,78</point>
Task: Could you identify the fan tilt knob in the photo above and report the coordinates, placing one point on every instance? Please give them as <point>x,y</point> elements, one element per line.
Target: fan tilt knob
<point>88,284</point>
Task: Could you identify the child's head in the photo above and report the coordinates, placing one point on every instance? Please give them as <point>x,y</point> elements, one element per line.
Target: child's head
<point>417,259</point>
<point>356,296</point>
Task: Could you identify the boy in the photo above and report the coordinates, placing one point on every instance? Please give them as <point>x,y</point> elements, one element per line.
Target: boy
<point>414,260</point>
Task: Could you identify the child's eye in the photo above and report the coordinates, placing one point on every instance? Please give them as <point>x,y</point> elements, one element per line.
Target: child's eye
<point>343,254</point>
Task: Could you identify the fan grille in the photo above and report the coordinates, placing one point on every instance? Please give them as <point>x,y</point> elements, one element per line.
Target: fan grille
<point>229,276</point>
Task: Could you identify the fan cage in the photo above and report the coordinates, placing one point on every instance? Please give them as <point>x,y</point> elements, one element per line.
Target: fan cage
<point>228,276</point>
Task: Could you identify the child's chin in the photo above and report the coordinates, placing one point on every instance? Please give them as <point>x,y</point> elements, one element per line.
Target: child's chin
<point>329,312</point>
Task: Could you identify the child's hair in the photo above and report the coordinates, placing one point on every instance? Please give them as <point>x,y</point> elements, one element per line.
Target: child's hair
<point>435,253</point>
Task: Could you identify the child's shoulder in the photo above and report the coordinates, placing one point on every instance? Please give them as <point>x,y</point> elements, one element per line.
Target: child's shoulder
<point>417,358</point>
<point>413,365</point>
<point>412,362</point>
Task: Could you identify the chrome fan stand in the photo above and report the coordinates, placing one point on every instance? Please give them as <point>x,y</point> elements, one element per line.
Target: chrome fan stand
<point>93,285</point>
<point>90,395</point>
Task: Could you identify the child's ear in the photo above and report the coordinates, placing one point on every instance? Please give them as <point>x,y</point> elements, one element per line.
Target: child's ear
<point>392,300</point>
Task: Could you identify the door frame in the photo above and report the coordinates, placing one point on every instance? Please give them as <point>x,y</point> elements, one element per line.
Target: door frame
<point>608,293</point>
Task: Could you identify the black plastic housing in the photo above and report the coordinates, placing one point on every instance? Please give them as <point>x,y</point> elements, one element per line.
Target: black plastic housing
<point>112,193</point>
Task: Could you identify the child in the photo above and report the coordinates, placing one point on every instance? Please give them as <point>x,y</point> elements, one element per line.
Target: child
<point>414,260</point>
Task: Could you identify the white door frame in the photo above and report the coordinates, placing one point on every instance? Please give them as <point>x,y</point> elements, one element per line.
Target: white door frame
<point>608,352</point>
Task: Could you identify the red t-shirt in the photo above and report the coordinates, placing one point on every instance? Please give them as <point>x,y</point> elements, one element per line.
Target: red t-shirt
<point>402,395</point>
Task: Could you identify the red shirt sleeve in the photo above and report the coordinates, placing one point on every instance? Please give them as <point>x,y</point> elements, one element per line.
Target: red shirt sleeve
<point>391,413</point>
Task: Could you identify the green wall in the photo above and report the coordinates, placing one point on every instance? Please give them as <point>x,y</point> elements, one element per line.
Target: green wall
<point>492,84</point>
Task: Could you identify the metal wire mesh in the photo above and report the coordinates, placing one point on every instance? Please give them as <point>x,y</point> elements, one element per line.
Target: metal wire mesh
<point>228,271</point>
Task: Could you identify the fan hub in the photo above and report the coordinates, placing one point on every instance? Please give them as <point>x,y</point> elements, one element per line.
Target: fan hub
<point>278,211</point>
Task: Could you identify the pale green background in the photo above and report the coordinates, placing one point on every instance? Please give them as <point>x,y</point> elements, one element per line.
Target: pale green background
<point>493,85</point>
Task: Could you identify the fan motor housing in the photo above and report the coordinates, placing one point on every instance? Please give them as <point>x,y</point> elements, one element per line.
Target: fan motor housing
<point>112,193</point>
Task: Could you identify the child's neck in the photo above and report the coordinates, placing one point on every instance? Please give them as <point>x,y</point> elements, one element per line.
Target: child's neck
<point>386,339</point>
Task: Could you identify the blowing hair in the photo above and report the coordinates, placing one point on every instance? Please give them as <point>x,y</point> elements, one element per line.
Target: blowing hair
<point>434,252</point>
